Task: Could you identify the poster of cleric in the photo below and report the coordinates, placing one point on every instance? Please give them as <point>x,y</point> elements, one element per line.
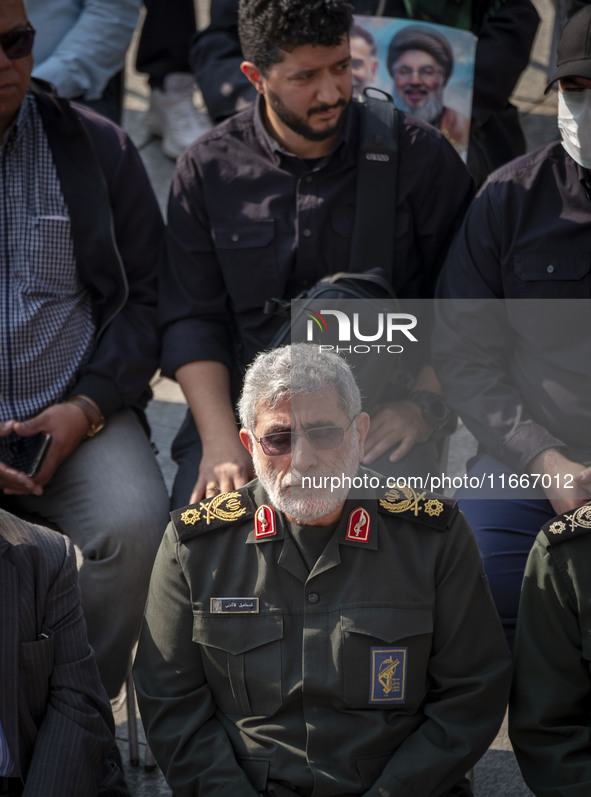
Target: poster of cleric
<point>428,69</point>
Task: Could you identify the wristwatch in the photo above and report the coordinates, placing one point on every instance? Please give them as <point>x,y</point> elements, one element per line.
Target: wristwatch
<point>435,411</point>
<point>95,418</point>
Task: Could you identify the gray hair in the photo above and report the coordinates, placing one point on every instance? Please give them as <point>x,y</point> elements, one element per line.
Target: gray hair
<point>301,368</point>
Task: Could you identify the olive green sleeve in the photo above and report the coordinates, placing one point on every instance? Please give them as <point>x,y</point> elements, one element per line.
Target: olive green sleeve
<point>550,708</point>
<point>188,741</point>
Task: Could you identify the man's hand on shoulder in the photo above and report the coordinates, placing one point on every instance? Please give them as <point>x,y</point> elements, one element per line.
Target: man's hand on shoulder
<point>227,464</point>
<point>397,427</point>
<point>67,425</point>
<point>570,482</point>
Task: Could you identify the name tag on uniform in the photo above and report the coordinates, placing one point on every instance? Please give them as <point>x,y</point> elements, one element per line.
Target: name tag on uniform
<point>234,605</point>
<point>388,675</point>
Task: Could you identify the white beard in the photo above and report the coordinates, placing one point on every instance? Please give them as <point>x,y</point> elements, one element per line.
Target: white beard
<point>307,505</point>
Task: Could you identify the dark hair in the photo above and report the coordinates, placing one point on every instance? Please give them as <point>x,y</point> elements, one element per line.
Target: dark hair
<point>358,32</point>
<point>268,28</point>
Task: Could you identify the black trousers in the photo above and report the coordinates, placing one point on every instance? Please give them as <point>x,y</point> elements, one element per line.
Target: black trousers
<point>165,39</point>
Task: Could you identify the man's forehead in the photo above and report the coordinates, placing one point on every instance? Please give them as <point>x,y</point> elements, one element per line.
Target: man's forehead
<point>414,54</point>
<point>313,56</point>
<point>12,12</point>
<point>323,405</point>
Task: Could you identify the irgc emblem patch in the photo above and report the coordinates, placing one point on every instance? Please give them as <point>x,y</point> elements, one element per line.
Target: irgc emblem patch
<point>388,675</point>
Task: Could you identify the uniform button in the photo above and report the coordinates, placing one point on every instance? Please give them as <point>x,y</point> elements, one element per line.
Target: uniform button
<point>313,597</point>
<point>307,232</point>
<point>308,178</point>
<point>235,237</point>
<point>550,269</point>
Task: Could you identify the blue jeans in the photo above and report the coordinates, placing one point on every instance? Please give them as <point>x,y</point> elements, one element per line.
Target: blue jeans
<point>109,497</point>
<point>505,521</point>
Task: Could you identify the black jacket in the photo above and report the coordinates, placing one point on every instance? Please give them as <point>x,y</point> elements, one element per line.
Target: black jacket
<point>117,230</point>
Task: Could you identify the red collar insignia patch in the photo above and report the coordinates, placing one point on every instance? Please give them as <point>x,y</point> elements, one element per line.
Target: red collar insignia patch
<point>264,522</point>
<point>358,526</point>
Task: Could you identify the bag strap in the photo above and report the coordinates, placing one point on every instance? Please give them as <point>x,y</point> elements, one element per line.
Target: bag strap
<point>377,171</point>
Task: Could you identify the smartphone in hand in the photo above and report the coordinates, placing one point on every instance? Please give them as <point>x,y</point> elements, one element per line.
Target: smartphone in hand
<point>24,453</point>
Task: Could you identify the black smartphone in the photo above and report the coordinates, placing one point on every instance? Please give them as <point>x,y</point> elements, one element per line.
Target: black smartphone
<point>24,453</point>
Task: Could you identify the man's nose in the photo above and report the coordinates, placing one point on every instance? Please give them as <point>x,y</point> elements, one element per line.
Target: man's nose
<point>5,61</point>
<point>303,454</point>
<point>328,91</point>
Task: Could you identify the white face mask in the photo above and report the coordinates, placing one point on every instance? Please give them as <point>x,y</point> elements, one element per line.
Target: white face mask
<point>574,123</point>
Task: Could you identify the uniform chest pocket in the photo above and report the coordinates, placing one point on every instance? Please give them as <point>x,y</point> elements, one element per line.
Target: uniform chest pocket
<point>242,661</point>
<point>45,265</point>
<point>247,256</point>
<point>385,654</point>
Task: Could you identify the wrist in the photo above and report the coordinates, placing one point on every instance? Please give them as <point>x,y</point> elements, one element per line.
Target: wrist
<point>92,413</point>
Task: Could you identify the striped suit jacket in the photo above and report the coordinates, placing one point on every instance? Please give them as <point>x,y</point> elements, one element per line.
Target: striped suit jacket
<point>55,714</point>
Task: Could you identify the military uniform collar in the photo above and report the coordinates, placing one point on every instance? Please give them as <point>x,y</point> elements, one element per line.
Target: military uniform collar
<point>356,527</point>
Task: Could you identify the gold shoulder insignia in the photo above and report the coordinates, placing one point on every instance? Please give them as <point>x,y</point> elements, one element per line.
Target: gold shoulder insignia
<point>214,513</point>
<point>430,509</point>
<point>571,524</point>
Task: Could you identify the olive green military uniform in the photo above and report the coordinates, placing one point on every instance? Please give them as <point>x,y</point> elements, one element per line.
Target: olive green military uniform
<point>550,712</point>
<point>383,671</point>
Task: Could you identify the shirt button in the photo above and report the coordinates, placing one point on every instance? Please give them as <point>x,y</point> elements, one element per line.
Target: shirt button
<point>307,232</point>
<point>313,597</point>
<point>550,269</point>
<point>235,237</point>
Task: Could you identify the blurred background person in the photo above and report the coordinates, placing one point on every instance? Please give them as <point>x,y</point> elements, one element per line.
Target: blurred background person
<point>364,59</point>
<point>163,53</point>
<point>80,48</point>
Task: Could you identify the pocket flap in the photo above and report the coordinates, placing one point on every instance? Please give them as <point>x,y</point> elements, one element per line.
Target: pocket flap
<point>388,624</point>
<point>237,634</point>
<point>243,235</point>
<point>540,266</point>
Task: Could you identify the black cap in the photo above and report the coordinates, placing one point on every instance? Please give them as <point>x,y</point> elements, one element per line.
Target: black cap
<point>574,48</point>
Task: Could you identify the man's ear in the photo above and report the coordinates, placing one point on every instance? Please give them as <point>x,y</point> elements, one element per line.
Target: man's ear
<point>246,439</point>
<point>250,71</point>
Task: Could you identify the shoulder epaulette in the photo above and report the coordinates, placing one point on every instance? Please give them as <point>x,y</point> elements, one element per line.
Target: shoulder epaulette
<point>212,514</point>
<point>430,509</point>
<point>570,524</point>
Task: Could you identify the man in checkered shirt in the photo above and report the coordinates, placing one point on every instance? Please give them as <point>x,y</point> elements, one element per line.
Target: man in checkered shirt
<point>80,231</point>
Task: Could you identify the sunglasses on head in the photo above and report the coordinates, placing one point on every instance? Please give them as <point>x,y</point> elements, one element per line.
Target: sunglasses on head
<point>18,43</point>
<point>322,438</point>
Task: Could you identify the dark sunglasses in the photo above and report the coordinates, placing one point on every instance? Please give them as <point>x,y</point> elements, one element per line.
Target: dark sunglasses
<point>18,43</point>
<point>322,438</point>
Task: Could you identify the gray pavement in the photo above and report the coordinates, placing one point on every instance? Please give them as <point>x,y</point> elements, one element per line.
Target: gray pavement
<point>497,773</point>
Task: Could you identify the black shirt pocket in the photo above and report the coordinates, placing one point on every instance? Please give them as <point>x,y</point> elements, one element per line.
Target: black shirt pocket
<point>241,657</point>
<point>247,254</point>
<point>548,275</point>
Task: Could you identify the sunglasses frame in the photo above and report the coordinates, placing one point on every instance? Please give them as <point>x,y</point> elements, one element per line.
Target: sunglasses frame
<point>304,432</point>
<point>16,37</point>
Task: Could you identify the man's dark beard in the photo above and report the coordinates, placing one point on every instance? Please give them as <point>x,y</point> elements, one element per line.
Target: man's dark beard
<point>299,125</point>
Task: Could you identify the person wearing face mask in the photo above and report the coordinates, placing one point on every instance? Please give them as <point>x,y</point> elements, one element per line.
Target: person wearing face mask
<point>512,344</point>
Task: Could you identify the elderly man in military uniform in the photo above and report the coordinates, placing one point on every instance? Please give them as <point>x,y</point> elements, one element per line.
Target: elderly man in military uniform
<point>318,640</point>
